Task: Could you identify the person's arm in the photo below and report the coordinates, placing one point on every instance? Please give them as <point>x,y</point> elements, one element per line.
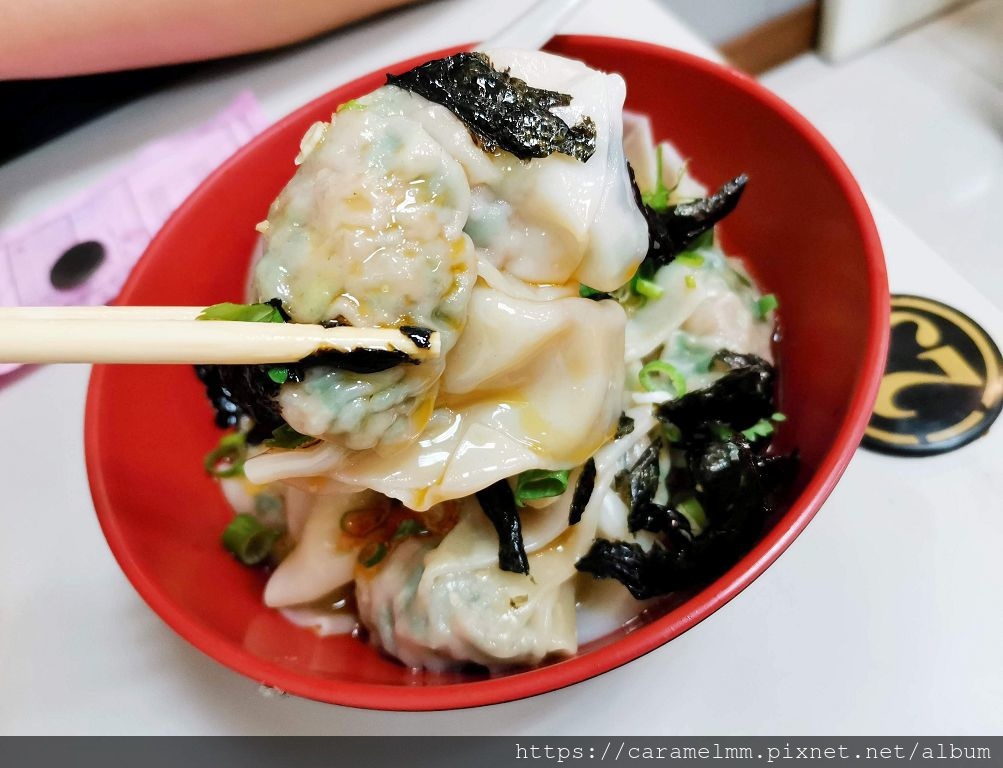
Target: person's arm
<point>52,38</point>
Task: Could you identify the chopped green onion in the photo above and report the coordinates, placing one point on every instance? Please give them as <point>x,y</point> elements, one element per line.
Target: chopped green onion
<point>691,282</point>
<point>540,484</point>
<point>649,289</point>
<point>766,304</point>
<point>672,433</point>
<point>761,428</point>
<point>690,259</point>
<point>372,553</point>
<point>706,240</point>
<point>721,431</point>
<point>227,458</point>
<point>247,313</point>
<point>287,437</point>
<point>407,528</point>
<point>350,106</point>
<point>248,540</point>
<point>742,278</point>
<point>693,511</point>
<point>658,198</point>
<point>656,374</point>
<point>278,374</point>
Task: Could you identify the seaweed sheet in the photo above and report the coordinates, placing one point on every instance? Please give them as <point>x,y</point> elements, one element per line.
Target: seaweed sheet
<point>730,478</point>
<point>678,227</point>
<point>501,111</point>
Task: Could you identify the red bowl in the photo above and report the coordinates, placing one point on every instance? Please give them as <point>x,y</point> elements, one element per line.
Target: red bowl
<point>803,227</point>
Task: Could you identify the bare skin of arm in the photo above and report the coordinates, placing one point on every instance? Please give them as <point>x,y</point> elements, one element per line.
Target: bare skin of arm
<point>52,38</point>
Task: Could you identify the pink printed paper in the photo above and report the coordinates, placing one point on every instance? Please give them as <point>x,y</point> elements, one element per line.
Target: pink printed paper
<point>122,212</point>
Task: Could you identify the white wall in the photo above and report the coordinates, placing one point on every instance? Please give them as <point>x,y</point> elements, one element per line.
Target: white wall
<point>720,20</point>
<point>849,27</point>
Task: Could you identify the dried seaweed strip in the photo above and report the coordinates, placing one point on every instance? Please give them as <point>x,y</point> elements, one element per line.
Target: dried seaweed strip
<point>624,427</point>
<point>501,111</point>
<point>777,471</point>
<point>738,399</point>
<point>726,475</point>
<point>731,491</point>
<point>583,492</point>
<point>356,360</point>
<point>236,391</point>
<point>726,360</point>
<point>678,227</point>
<point>659,518</point>
<point>498,503</point>
<point>422,337</point>
<point>642,573</point>
<point>638,485</point>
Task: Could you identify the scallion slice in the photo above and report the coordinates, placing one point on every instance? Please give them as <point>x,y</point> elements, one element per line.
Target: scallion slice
<point>693,511</point>
<point>285,436</point>
<point>227,458</point>
<point>248,540</point>
<point>278,374</point>
<point>706,240</point>
<point>407,528</point>
<point>649,289</point>
<point>766,304</point>
<point>248,313</point>
<point>658,198</point>
<point>762,428</point>
<point>672,433</point>
<point>721,431</point>
<point>690,259</point>
<point>540,484</point>
<point>372,553</point>
<point>654,377</point>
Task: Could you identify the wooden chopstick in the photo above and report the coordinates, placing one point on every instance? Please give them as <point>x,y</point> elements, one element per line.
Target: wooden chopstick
<point>172,335</point>
<point>99,313</point>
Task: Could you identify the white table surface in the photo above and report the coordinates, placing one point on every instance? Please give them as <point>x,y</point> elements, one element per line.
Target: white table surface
<point>883,617</point>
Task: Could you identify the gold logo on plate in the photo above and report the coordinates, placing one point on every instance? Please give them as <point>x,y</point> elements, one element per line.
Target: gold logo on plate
<point>943,383</point>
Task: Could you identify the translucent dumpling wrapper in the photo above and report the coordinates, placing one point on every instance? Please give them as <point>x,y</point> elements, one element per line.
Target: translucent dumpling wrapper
<point>555,220</point>
<point>434,607</point>
<point>529,385</point>
<point>392,216</point>
<point>321,561</point>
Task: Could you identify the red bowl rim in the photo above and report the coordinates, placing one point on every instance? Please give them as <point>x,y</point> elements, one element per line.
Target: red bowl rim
<point>637,643</point>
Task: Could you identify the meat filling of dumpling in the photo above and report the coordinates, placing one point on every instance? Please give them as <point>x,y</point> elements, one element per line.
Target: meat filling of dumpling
<point>369,232</point>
